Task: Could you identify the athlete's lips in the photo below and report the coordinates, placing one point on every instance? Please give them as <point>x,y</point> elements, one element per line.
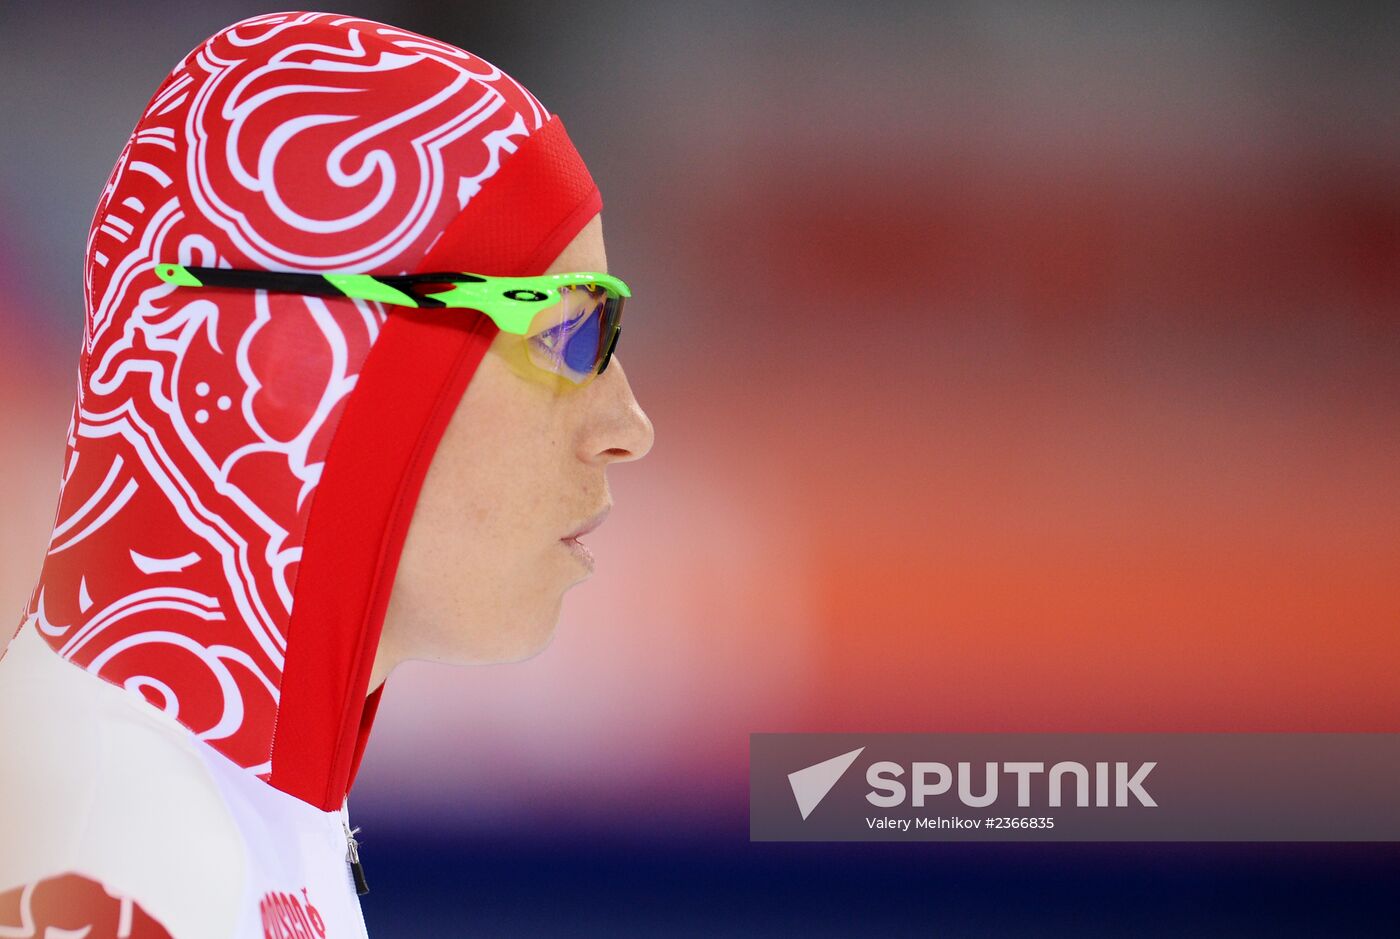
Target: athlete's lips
<point>593,522</point>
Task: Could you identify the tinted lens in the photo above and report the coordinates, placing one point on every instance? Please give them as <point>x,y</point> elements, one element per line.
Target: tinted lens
<point>571,337</point>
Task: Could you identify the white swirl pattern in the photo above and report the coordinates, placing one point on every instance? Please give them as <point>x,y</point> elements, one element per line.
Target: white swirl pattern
<point>290,141</point>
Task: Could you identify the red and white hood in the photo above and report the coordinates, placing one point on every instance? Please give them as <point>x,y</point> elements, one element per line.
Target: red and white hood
<point>241,467</point>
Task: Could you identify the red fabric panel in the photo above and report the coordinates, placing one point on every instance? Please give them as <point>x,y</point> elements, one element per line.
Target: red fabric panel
<point>534,206</point>
<point>406,393</point>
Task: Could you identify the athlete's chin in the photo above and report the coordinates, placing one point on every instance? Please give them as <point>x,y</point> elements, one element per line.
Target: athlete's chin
<point>515,631</point>
<point>519,646</point>
<point>530,635</point>
<point>534,649</point>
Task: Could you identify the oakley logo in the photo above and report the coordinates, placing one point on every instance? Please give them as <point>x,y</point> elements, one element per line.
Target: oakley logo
<point>525,295</point>
<point>810,785</point>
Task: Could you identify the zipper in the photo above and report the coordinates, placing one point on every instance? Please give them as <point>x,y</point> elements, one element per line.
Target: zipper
<point>352,854</point>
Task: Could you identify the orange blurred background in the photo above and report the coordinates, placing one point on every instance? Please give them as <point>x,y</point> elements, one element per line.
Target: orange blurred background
<point>1011,369</point>
<point>1007,374</point>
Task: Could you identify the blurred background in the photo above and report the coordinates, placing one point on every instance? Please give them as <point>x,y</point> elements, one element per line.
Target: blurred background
<point>1013,367</point>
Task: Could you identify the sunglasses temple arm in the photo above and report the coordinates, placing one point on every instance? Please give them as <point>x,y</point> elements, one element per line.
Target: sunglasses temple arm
<point>288,282</point>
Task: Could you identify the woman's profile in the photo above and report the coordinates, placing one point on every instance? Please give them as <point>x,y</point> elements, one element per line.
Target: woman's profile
<point>293,463</point>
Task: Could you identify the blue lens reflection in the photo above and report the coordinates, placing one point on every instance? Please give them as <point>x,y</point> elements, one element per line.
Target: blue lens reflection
<point>573,344</point>
<point>581,349</point>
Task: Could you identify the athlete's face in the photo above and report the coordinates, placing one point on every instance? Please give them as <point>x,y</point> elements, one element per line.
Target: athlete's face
<point>520,467</point>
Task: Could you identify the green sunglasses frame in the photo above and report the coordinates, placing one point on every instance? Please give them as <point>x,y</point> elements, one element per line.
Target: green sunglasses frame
<point>511,302</point>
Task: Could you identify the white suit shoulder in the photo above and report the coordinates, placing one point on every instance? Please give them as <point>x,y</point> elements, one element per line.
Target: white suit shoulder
<point>95,782</point>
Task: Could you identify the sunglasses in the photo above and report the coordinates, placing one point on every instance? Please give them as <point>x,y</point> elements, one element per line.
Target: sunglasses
<point>568,323</point>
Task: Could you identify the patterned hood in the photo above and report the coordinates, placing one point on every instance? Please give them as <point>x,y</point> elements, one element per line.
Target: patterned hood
<point>241,467</point>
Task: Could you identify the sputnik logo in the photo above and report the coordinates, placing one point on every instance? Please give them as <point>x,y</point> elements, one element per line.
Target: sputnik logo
<point>810,785</point>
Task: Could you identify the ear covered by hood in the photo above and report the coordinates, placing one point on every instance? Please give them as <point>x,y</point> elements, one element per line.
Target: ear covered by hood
<point>242,467</point>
